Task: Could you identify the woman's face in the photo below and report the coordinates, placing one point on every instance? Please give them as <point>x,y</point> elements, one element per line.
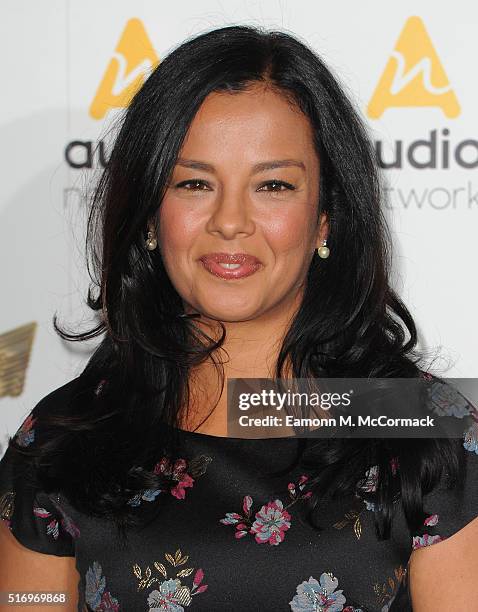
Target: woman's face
<point>218,201</point>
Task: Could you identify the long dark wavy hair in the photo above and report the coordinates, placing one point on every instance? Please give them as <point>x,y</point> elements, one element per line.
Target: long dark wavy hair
<point>107,430</point>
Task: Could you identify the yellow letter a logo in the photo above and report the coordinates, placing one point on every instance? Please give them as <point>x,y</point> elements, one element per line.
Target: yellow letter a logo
<point>132,60</point>
<point>413,76</point>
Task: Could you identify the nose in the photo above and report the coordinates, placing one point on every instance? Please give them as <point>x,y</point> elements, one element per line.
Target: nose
<point>231,215</point>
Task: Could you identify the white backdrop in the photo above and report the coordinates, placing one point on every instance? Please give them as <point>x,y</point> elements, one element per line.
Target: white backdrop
<point>411,74</point>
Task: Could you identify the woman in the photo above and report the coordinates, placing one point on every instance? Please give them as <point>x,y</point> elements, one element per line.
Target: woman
<point>241,142</point>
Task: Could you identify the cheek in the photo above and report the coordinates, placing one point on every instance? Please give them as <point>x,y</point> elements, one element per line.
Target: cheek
<point>178,227</point>
<point>289,230</point>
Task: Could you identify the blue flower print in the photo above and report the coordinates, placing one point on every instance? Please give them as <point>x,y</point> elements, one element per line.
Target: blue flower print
<point>425,540</point>
<point>177,472</point>
<point>147,495</point>
<point>470,438</point>
<point>95,595</point>
<point>170,595</point>
<point>271,523</point>
<point>368,484</point>
<point>419,541</point>
<point>448,401</point>
<point>386,607</point>
<point>26,433</point>
<point>165,598</point>
<point>313,595</point>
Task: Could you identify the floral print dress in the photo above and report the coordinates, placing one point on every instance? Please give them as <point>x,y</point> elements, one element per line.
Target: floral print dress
<point>229,539</point>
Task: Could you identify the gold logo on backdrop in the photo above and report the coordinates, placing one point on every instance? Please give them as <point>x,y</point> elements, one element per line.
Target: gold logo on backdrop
<point>413,76</point>
<point>7,505</point>
<point>132,61</point>
<point>15,349</point>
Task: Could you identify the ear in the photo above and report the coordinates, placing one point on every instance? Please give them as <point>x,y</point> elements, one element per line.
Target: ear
<point>323,229</point>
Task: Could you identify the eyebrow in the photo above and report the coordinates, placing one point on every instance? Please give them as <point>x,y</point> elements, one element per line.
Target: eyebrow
<point>259,167</point>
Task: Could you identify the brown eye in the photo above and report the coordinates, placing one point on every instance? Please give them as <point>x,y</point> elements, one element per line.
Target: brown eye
<point>276,186</point>
<point>194,182</point>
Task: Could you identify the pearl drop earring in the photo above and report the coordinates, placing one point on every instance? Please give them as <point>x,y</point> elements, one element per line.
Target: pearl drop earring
<point>151,242</point>
<point>323,251</point>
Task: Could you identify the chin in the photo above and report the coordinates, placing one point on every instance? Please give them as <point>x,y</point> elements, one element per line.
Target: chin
<point>229,314</point>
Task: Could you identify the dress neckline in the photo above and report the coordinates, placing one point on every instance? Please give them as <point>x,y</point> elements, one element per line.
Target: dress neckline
<point>198,434</point>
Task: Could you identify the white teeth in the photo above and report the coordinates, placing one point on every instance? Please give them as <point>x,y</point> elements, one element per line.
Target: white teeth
<point>230,266</point>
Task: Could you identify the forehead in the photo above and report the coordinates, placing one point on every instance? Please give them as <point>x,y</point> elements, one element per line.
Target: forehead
<point>254,123</point>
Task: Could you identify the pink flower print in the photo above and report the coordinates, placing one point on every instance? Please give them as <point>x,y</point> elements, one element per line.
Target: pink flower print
<point>241,530</point>
<point>52,527</point>
<point>177,471</point>
<point>163,467</point>
<point>178,491</point>
<point>233,518</point>
<point>26,434</point>
<point>425,540</point>
<point>66,522</point>
<point>431,520</point>
<point>109,603</point>
<point>198,577</point>
<point>394,465</point>
<point>246,505</point>
<point>369,483</point>
<point>271,523</point>
<point>100,386</point>
<point>293,490</point>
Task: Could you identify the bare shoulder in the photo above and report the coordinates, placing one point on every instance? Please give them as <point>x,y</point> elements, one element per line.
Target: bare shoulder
<point>443,575</point>
<point>27,570</point>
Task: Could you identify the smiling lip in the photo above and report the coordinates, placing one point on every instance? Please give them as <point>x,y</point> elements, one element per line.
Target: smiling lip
<point>248,264</point>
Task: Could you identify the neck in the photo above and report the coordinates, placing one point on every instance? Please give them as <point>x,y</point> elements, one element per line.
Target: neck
<point>250,350</point>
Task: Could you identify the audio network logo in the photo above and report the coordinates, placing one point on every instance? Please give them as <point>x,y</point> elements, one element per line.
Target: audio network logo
<point>132,61</point>
<point>130,65</point>
<point>15,350</point>
<point>413,76</point>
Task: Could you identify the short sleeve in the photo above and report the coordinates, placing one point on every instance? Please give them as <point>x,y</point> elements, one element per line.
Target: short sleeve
<point>35,518</point>
<point>449,509</point>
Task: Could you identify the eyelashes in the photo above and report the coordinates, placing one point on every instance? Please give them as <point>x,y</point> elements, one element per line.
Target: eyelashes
<point>199,183</point>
